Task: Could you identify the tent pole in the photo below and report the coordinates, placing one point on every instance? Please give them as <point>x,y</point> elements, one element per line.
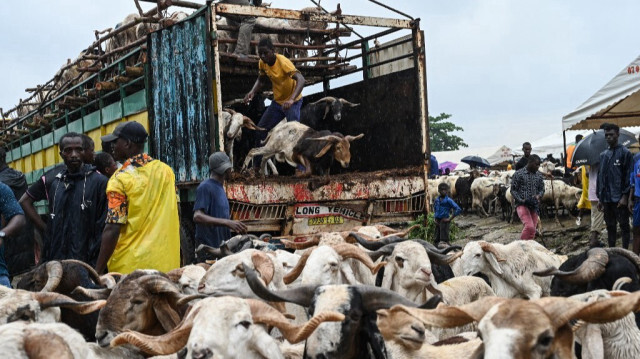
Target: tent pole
<point>564,146</point>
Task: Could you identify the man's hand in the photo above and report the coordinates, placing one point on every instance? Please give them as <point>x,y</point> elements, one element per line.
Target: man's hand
<point>600,206</point>
<point>623,202</point>
<point>630,204</point>
<point>237,226</point>
<point>287,104</point>
<point>248,97</point>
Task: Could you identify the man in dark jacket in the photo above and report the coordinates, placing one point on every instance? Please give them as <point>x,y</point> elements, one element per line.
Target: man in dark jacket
<point>77,206</point>
<point>527,188</point>
<point>613,186</point>
<point>524,160</point>
<point>18,250</point>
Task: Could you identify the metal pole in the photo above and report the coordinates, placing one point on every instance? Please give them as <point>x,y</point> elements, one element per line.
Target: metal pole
<point>564,146</point>
<point>419,62</point>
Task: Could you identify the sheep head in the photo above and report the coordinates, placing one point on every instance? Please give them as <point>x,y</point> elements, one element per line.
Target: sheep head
<point>144,301</point>
<point>403,328</point>
<point>481,257</point>
<point>340,146</point>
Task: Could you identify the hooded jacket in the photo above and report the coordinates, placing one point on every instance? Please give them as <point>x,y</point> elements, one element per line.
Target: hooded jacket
<point>615,169</point>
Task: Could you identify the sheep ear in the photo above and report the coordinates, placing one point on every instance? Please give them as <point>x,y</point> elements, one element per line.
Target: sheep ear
<point>348,273</point>
<point>445,316</point>
<point>493,262</point>
<point>327,108</point>
<point>167,316</point>
<point>325,149</point>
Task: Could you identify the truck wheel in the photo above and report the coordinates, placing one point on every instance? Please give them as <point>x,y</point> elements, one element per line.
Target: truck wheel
<point>187,244</point>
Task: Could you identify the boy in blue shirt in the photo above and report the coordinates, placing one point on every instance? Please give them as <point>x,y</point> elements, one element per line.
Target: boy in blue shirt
<point>442,214</point>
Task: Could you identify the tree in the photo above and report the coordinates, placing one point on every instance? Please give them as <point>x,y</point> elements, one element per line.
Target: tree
<point>439,134</point>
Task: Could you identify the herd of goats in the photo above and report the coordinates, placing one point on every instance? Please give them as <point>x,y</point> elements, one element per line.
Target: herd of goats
<point>491,194</point>
<point>367,293</point>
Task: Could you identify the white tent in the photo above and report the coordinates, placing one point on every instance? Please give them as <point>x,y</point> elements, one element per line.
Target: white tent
<point>493,154</point>
<point>617,102</point>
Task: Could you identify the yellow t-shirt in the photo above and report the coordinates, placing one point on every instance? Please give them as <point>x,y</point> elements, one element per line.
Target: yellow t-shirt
<point>142,197</point>
<point>281,76</point>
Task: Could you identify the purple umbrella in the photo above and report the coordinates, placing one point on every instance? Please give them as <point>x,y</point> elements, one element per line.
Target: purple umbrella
<point>447,164</point>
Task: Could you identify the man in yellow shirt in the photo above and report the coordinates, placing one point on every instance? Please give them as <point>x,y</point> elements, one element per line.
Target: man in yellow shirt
<point>287,83</point>
<point>142,228</point>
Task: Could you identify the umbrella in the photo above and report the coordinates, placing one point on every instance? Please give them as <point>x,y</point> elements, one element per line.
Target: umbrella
<point>475,161</point>
<point>587,151</point>
<point>447,164</point>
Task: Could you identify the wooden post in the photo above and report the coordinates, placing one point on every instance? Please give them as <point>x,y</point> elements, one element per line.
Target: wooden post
<point>106,86</point>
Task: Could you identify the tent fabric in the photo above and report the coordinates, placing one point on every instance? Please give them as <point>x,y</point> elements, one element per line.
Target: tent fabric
<point>494,154</point>
<point>616,102</point>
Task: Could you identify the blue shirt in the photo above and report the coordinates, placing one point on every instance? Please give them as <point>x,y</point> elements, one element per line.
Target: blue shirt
<point>9,207</point>
<point>433,164</point>
<point>635,175</point>
<point>212,200</point>
<point>443,207</point>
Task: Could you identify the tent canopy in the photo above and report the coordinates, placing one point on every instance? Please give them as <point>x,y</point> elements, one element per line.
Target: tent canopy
<point>616,102</point>
<point>494,154</point>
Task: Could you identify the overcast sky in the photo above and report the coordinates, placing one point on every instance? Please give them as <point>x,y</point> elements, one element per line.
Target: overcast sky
<point>506,70</point>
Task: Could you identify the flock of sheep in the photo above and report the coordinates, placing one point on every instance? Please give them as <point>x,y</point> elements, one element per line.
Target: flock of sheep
<point>368,293</point>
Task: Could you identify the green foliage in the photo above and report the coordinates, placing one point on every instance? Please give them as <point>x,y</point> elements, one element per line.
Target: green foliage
<point>427,232</point>
<point>439,134</point>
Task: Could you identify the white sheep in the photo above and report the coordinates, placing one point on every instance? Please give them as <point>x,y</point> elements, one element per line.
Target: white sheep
<point>510,267</point>
<point>235,322</point>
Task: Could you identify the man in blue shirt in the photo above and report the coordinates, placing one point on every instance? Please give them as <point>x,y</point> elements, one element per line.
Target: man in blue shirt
<point>13,215</point>
<point>634,202</point>
<point>211,210</point>
<point>443,207</point>
<point>433,167</point>
<point>613,187</point>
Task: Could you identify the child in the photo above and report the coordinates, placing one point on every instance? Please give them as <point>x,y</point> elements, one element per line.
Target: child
<point>442,210</point>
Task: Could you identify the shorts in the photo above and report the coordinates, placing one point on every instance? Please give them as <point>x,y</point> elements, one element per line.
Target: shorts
<point>636,213</point>
<point>597,218</point>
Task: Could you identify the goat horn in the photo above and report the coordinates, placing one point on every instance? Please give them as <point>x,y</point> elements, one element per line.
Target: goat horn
<point>445,316</point>
<point>353,138</point>
<point>187,298</point>
<point>488,247</point>
<point>627,254</point>
<point>384,251</point>
<point>217,253</point>
<point>345,102</point>
<point>295,272</point>
<point>54,276</point>
<point>374,298</point>
<point>48,300</point>
<point>401,233</point>
<point>102,293</point>
<point>301,245</point>
<point>438,257</point>
<point>262,313</point>
<point>165,344</point>
<point>302,295</point>
<point>229,110</point>
<point>92,272</point>
<point>324,99</point>
<point>620,282</point>
<point>156,284</point>
<point>375,245</point>
<point>590,269</point>
<point>346,250</point>
<point>264,266</point>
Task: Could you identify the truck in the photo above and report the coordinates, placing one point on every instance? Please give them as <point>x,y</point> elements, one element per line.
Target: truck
<point>177,80</point>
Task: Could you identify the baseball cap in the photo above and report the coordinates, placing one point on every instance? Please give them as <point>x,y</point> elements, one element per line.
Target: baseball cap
<point>129,130</point>
<point>219,163</point>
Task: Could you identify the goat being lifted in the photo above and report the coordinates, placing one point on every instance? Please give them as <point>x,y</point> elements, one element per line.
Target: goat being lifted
<point>298,144</point>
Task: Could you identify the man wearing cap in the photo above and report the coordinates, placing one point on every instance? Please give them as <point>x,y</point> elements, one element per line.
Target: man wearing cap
<point>142,228</point>
<point>211,210</point>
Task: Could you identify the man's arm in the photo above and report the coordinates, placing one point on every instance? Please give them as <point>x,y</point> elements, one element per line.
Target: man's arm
<point>14,226</point>
<point>26,202</point>
<point>257,86</point>
<point>110,236</point>
<point>296,91</point>
<point>200,217</point>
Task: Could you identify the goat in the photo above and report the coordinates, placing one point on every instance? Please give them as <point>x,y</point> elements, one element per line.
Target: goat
<point>315,114</point>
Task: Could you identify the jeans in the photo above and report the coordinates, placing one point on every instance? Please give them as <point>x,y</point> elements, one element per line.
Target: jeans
<point>614,215</point>
<point>4,281</point>
<point>270,118</point>
<point>442,232</point>
<point>529,218</point>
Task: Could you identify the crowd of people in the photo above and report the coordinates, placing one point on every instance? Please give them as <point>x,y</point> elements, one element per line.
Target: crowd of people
<point>118,210</point>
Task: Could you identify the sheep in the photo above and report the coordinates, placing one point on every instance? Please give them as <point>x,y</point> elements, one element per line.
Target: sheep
<point>484,189</point>
<point>315,114</point>
<point>616,340</point>
<point>510,266</point>
<point>17,304</point>
<point>145,301</point>
<point>350,339</point>
<point>188,278</point>
<point>327,265</point>
<point>236,335</point>
<point>516,328</point>
<point>233,124</point>
<point>406,337</point>
<point>63,277</point>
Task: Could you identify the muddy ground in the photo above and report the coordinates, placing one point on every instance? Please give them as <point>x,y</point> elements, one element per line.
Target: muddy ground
<point>564,237</point>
